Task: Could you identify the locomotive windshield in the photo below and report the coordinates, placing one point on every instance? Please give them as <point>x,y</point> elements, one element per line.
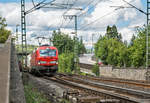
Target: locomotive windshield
<point>48,52</point>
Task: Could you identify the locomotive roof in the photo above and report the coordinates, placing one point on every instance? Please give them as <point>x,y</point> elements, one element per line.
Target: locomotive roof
<point>43,47</point>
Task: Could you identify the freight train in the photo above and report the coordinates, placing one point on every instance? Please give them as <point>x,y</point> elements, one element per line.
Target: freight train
<point>43,60</point>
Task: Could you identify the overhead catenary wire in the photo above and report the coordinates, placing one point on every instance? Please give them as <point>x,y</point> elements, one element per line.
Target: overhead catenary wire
<point>68,23</point>
<point>62,21</point>
<point>52,5</point>
<point>38,6</point>
<point>70,6</point>
<point>38,3</point>
<point>85,26</point>
<point>66,12</point>
<point>135,7</point>
<point>58,6</point>
<point>90,3</point>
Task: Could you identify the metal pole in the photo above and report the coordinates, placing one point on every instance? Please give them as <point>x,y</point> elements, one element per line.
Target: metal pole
<point>17,37</point>
<point>23,31</point>
<point>76,45</point>
<point>147,41</point>
<point>147,44</point>
<point>75,25</point>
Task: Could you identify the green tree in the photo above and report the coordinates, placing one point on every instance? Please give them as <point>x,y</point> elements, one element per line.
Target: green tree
<point>132,40</point>
<point>113,51</point>
<point>66,63</point>
<point>3,32</point>
<point>95,69</point>
<point>110,48</point>
<point>63,42</point>
<point>81,47</point>
<point>65,46</point>
<point>138,49</point>
<point>112,32</point>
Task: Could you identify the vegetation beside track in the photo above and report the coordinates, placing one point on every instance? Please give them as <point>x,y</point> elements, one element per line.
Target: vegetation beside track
<point>29,49</point>
<point>4,33</point>
<point>65,45</point>
<point>112,50</point>
<point>33,96</point>
<point>95,69</point>
<point>66,64</point>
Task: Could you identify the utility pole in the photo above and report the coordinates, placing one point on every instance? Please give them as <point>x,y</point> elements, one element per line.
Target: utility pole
<point>17,37</point>
<point>92,44</point>
<point>148,42</point>
<point>76,38</point>
<point>23,31</point>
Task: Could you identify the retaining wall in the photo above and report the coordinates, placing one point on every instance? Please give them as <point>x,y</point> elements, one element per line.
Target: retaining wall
<point>5,71</point>
<point>126,73</point>
<point>109,71</point>
<point>16,84</point>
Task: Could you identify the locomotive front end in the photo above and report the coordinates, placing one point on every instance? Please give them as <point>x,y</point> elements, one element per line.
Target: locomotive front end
<point>45,60</point>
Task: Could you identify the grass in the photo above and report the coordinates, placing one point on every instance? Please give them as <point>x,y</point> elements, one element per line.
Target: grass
<point>33,96</point>
<point>65,101</point>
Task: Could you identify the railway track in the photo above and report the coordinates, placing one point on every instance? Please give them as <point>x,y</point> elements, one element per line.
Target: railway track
<point>102,90</point>
<point>131,84</point>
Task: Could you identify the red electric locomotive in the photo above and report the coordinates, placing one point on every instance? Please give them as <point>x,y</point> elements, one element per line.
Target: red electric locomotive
<point>44,60</point>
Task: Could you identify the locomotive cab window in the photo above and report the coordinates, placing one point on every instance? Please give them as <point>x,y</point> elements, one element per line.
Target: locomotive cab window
<point>47,52</point>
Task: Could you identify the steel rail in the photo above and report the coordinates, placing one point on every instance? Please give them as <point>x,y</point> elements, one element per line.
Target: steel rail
<point>125,90</point>
<point>90,87</point>
<point>117,80</point>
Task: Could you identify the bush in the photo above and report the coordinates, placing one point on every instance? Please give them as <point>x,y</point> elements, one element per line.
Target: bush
<point>66,63</point>
<point>33,96</point>
<point>95,69</point>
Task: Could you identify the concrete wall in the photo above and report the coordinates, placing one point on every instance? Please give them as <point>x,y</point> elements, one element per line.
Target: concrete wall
<point>5,53</point>
<point>16,84</point>
<point>126,73</point>
<point>109,71</point>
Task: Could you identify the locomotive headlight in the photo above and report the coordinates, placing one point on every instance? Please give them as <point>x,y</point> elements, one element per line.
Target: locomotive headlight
<point>42,62</point>
<point>39,62</point>
<point>56,62</point>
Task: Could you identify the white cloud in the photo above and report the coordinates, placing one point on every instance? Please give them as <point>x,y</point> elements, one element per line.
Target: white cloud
<point>105,15</point>
<point>127,33</point>
<point>50,19</point>
<point>11,11</point>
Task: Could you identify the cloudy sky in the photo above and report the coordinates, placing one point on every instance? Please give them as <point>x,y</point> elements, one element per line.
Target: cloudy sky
<point>93,19</point>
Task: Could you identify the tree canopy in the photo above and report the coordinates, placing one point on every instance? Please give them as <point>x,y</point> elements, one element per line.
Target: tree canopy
<point>65,43</point>
<point>4,33</point>
<point>113,51</point>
